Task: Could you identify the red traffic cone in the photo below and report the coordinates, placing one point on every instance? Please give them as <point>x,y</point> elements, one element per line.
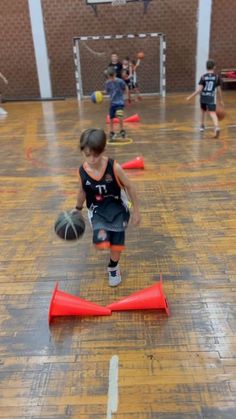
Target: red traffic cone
<point>133,118</point>
<point>149,298</point>
<point>63,304</point>
<point>115,120</point>
<point>137,163</point>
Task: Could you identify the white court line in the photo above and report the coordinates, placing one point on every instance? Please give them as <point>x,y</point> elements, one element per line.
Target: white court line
<point>112,403</point>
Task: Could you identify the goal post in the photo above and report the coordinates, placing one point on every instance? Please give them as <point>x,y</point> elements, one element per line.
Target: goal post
<point>92,56</point>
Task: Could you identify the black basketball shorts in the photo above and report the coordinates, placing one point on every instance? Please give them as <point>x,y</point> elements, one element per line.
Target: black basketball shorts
<point>208,107</point>
<point>105,239</point>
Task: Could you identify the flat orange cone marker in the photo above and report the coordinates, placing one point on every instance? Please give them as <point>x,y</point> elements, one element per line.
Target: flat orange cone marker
<point>133,118</point>
<point>115,120</point>
<point>63,304</point>
<point>137,163</point>
<point>150,298</point>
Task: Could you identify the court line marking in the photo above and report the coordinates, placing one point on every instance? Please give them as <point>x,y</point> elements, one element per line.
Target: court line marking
<point>112,403</point>
<point>119,142</point>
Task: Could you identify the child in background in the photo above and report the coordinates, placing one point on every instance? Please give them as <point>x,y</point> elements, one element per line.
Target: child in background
<point>135,87</point>
<point>116,64</point>
<point>129,75</point>
<point>208,86</point>
<point>126,73</point>
<point>116,88</point>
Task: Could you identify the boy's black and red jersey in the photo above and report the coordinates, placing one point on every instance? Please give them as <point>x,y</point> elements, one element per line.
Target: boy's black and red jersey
<point>107,208</point>
<point>97,190</point>
<point>210,82</point>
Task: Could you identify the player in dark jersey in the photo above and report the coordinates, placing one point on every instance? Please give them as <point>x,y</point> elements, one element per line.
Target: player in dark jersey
<point>208,87</point>
<point>102,182</point>
<point>129,75</point>
<point>116,64</point>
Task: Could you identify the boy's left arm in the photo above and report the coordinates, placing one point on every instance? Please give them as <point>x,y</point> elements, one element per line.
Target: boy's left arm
<point>125,181</point>
<point>137,63</point>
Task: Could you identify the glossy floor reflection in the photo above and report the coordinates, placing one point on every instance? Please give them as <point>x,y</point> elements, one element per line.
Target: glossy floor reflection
<point>182,366</point>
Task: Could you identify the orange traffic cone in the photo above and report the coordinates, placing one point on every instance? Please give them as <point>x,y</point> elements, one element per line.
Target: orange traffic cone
<point>63,304</point>
<point>137,163</point>
<point>149,298</point>
<point>115,120</point>
<point>133,118</point>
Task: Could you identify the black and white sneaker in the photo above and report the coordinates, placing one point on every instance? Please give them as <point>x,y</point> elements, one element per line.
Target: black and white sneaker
<point>114,278</point>
<point>122,133</point>
<point>112,136</point>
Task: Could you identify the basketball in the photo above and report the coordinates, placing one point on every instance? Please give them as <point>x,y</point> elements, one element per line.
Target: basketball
<point>70,225</point>
<point>220,112</point>
<point>97,97</point>
<point>140,55</point>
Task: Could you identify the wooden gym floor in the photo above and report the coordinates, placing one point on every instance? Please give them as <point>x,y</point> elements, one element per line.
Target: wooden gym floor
<point>182,366</point>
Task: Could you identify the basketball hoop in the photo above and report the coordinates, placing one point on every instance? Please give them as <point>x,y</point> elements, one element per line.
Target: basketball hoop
<point>118,2</point>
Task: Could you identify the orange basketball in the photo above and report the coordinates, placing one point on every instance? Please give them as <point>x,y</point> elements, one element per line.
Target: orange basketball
<point>140,55</point>
<point>220,112</point>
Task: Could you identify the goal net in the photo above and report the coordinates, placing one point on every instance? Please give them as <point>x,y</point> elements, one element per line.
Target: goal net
<point>92,55</point>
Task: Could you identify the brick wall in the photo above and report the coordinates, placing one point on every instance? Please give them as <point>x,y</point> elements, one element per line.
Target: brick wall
<point>174,18</point>
<point>223,33</point>
<point>67,19</point>
<point>17,61</point>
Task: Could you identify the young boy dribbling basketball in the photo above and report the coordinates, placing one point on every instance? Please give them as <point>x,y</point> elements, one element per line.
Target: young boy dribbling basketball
<point>101,184</point>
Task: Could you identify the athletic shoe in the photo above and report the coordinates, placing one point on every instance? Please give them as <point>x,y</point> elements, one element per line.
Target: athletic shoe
<point>114,277</point>
<point>122,133</point>
<point>112,136</point>
<point>202,128</point>
<point>217,133</point>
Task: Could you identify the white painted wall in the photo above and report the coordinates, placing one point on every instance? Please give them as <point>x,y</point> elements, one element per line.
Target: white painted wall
<point>203,36</point>
<point>40,48</point>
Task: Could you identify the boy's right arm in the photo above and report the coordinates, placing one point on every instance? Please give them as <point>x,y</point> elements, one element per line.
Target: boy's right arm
<point>81,197</point>
<point>197,91</point>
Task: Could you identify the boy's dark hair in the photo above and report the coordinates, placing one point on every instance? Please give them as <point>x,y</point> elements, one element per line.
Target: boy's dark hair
<point>94,139</point>
<point>210,64</point>
<point>111,71</point>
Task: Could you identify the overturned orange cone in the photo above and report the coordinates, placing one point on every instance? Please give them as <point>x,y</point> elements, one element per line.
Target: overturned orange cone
<point>137,163</point>
<point>133,118</point>
<point>150,298</point>
<point>63,304</point>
